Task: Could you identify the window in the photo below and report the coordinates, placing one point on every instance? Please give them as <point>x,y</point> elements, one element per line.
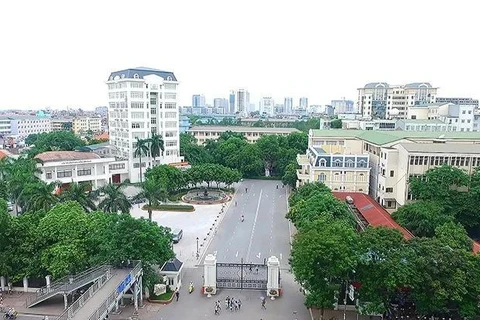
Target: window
<point>389,190</point>
<point>64,173</point>
<point>137,105</point>
<point>137,165</point>
<point>337,163</point>
<point>137,115</point>
<point>392,173</point>
<point>135,76</point>
<point>350,164</point>
<point>322,177</point>
<point>153,121</point>
<point>323,163</point>
<point>170,105</point>
<point>116,166</point>
<point>136,95</point>
<point>362,164</point>
<point>84,172</point>
<point>49,175</point>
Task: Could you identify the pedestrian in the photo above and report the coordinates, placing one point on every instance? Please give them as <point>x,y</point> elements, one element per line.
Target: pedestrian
<point>239,304</point>
<point>177,294</point>
<point>263,305</point>
<point>256,270</point>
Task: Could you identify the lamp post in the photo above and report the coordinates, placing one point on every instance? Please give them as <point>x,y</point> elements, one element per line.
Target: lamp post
<point>197,248</point>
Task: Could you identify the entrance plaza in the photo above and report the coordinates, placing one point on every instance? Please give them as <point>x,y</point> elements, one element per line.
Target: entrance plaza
<point>264,233</point>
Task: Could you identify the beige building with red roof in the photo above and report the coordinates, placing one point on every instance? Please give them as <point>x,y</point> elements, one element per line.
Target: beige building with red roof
<point>79,166</point>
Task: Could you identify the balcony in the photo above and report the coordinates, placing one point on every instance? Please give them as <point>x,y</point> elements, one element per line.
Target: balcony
<point>302,176</point>
<point>302,159</point>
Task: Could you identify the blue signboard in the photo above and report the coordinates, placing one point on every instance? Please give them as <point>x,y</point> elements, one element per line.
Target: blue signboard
<point>124,284</point>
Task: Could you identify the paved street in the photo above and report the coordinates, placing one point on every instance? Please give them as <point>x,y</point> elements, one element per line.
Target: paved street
<point>265,231</point>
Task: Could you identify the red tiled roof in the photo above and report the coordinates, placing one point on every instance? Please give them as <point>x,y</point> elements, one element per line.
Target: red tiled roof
<point>376,215</point>
<point>66,156</point>
<point>373,212</point>
<point>103,136</point>
<point>476,247</point>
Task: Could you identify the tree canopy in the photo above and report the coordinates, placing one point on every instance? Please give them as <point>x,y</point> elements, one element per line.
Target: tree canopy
<point>53,141</point>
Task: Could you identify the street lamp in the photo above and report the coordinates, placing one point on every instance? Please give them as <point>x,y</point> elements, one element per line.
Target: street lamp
<point>197,248</point>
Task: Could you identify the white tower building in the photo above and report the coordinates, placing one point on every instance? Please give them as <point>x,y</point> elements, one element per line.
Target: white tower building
<point>142,101</point>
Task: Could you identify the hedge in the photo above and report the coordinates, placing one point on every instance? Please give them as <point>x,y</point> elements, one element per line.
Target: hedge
<point>171,207</point>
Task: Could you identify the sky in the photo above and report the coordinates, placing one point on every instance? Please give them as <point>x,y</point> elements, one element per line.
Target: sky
<point>60,53</point>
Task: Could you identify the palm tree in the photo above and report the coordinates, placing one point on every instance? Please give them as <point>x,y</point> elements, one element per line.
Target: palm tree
<point>115,200</point>
<point>79,193</point>
<point>38,196</point>
<point>153,193</point>
<point>141,149</point>
<point>156,145</point>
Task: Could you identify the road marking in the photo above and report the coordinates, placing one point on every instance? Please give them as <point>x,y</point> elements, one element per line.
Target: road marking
<point>215,253</point>
<point>281,256</point>
<point>259,255</point>
<point>236,254</point>
<point>254,224</point>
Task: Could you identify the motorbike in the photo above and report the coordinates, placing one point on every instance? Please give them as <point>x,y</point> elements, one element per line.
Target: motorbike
<point>10,315</point>
<point>191,288</point>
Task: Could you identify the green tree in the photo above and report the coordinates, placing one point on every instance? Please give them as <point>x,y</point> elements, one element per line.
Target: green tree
<point>336,124</point>
<point>454,235</point>
<point>270,149</point>
<point>422,217</point>
<point>323,258</point>
<point>382,268</point>
<point>79,192</point>
<point>141,149</point>
<point>170,177</point>
<point>38,196</point>
<point>306,191</point>
<point>298,141</point>
<point>62,235</point>
<point>316,206</point>
<point>153,192</point>
<point>290,176</point>
<point>57,141</point>
<point>156,146</point>
<point>115,199</point>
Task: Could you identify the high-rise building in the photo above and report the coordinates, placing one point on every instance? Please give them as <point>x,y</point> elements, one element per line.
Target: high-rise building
<point>142,102</point>
<point>267,106</point>
<point>220,103</point>
<point>343,106</point>
<point>231,103</point>
<point>288,105</point>
<point>242,102</point>
<point>303,103</point>
<point>198,101</point>
<point>379,100</point>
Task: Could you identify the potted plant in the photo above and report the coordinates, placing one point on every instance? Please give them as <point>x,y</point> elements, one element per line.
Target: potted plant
<point>209,289</point>
<point>273,292</point>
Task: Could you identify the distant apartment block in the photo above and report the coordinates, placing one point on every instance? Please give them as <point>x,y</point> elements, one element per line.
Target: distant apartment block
<point>267,106</point>
<point>288,105</point>
<point>82,125</point>
<point>379,100</point>
<point>343,106</point>
<point>458,101</point>
<point>205,133</point>
<point>23,126</point>
<point>62,125</point>
<point>198,101</point>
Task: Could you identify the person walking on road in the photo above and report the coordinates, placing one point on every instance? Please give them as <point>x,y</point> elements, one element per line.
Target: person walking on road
<point>177,294</point>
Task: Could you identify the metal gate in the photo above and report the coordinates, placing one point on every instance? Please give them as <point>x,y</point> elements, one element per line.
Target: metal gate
<point>242,276</point>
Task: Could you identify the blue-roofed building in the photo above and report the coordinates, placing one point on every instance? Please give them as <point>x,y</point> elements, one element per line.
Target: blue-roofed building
<point>143,102</point>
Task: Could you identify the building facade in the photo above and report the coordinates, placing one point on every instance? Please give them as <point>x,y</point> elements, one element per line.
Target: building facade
<point>198,101</point>
<point>267,106</point>
<point>288,105</point>
<point>335,168</point>
<point>379,100</point>
<point>62,125</point>
<point>343,106</point>
<point>458,101</point>
<point>143,101</point>
<point>22,127</point>
<point>82,125</point>
<point>5,126</point>
<point>66,167</point>
<point>242,102</point>
<point>394,156</point>
<point>205,133</point>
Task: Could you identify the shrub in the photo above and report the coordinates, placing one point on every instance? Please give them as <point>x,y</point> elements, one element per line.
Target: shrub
<point>171,207</point>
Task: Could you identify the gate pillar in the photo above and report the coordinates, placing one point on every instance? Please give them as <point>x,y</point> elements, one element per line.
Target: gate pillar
<point>210,275</point>
<point>273,280</point>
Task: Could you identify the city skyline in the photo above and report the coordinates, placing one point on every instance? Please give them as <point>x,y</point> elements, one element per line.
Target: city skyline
<point>63,64</point>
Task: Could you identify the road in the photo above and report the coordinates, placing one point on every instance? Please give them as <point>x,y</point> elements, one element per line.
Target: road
<point>265,230</point>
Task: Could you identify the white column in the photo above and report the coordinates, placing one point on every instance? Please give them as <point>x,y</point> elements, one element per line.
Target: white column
<point>48,278</point>
<point>210,275</point>
<point>273,281</point>
<point>25,284</point>
<point>2,283</point>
